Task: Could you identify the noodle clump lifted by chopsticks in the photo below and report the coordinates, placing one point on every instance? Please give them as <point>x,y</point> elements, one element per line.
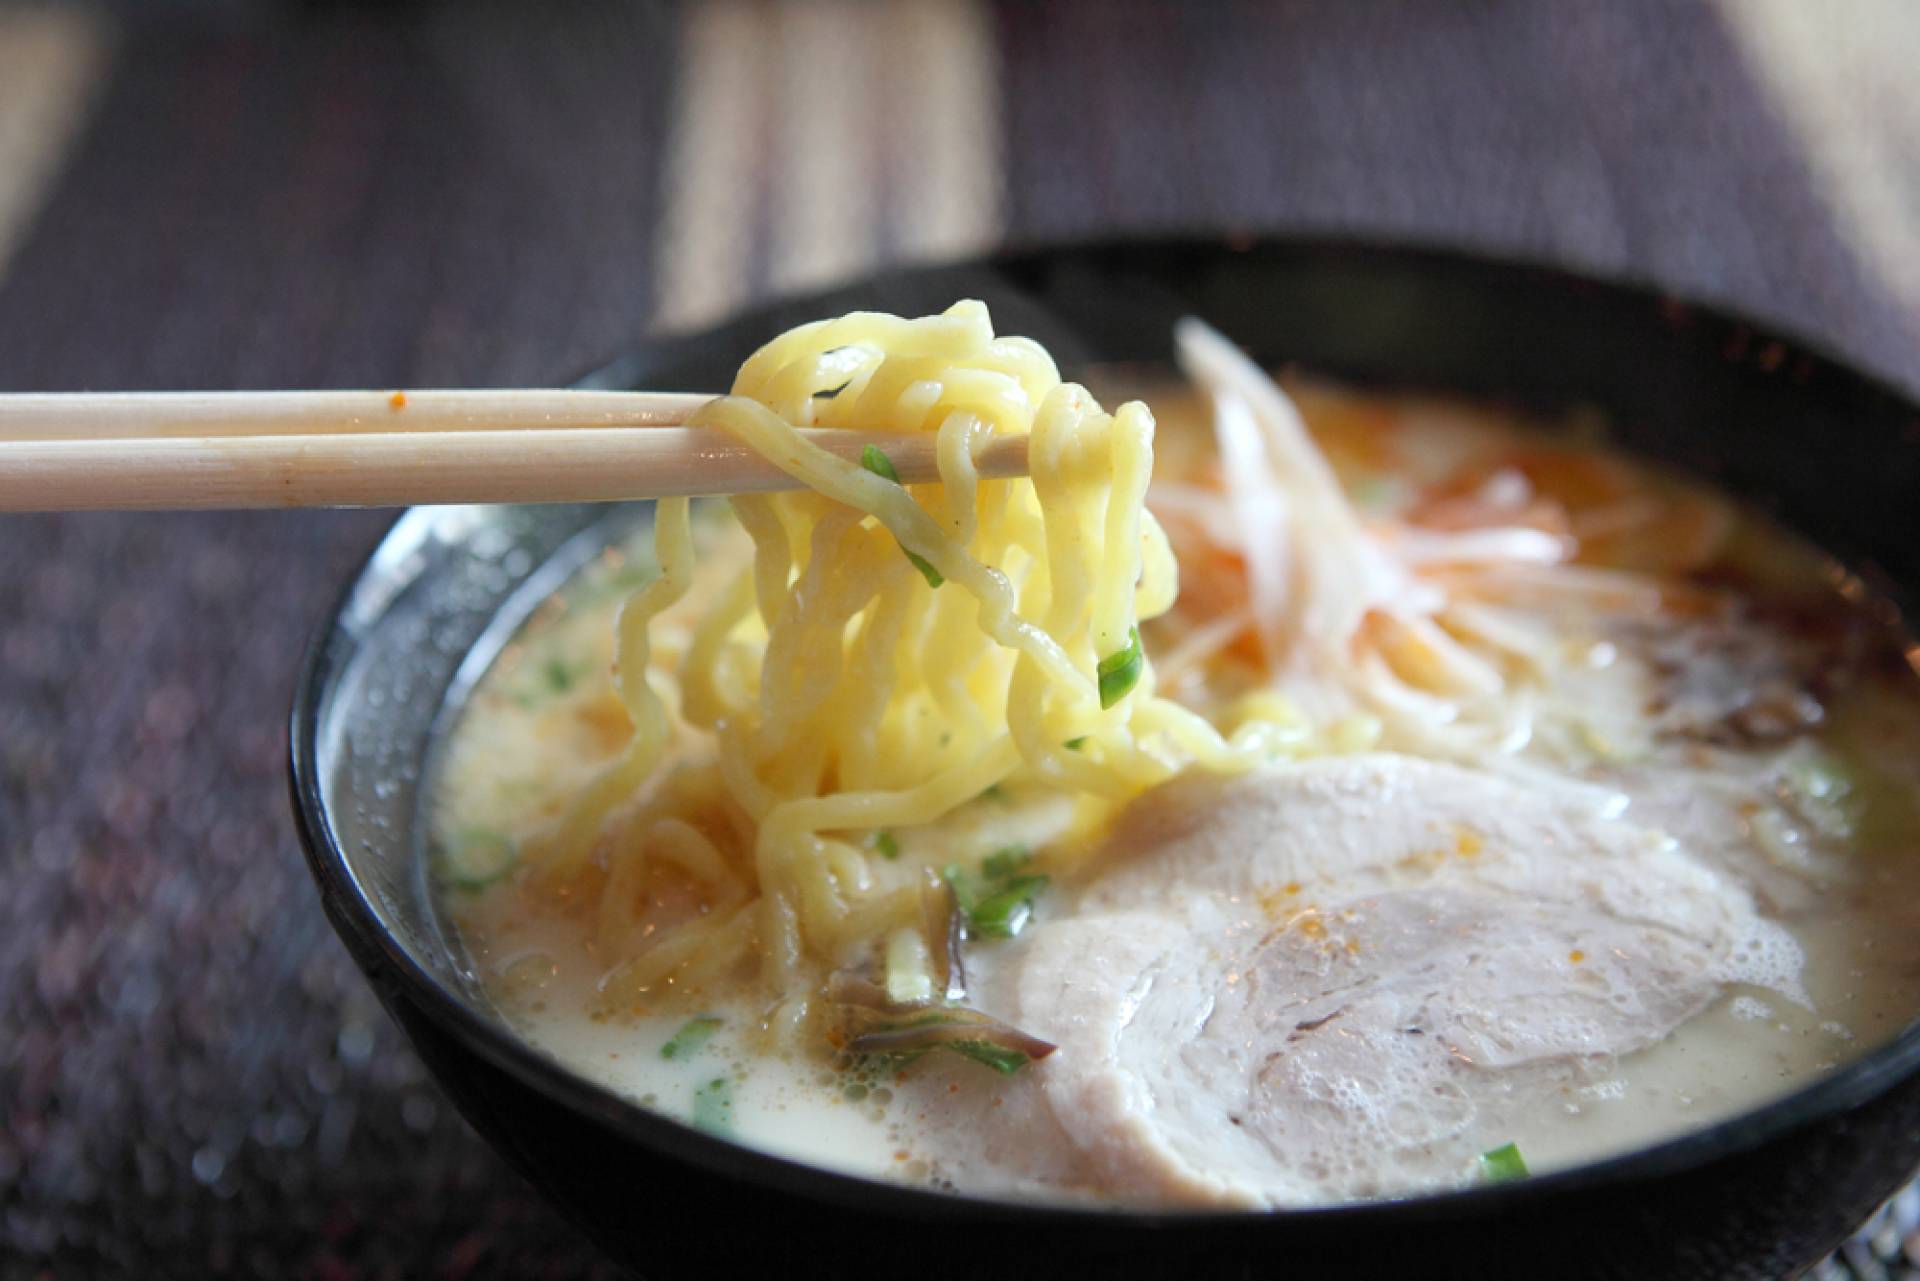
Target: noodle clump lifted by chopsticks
<point>891,653</point>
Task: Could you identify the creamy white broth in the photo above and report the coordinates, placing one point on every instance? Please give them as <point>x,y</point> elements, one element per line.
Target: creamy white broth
<point>1819,826</point>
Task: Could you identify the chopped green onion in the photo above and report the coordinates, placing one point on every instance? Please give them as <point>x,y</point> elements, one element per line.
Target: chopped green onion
<point>1006,860</point>
<point>693,1034</point>
<point>1120,672</point>
<point>559,676</point>
<point>479,857</point>
<point>927,571</point>
<point>1503,1164</point>
<point>886,845</point>
<point>713,1106</point>
<point>874,1028</point>
<point>877,1035</point>
<point>875,460</point>
<point>992,792</point>
<point>998,1057</point>
<point>1006,912</point>
<point>1075,744</point>
<point>1002,907</point>
<point>953,875</point>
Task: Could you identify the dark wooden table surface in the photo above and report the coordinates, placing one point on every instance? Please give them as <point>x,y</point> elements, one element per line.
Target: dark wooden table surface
<point>193,1079</point>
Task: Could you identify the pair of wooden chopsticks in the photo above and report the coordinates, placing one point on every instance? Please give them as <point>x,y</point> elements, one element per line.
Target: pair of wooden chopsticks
<point>180,450</point>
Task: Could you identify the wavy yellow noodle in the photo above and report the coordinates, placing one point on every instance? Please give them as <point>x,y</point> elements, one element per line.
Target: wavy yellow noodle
<point>891,653</point>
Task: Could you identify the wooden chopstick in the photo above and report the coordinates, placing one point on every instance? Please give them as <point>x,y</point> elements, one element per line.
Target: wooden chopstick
<point>144,414</point>
<point>344,449</point>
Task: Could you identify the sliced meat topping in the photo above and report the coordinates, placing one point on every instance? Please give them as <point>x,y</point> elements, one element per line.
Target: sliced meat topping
<point>1367,963</point>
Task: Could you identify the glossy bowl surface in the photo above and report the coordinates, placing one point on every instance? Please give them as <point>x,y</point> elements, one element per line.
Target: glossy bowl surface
<point>1830,451</point>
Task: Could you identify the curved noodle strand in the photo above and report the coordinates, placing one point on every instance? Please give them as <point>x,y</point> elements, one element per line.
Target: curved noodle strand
<point>894,651</point>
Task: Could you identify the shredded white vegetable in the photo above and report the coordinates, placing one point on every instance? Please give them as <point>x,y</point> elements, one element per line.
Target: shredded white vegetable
<point>1405,624</point>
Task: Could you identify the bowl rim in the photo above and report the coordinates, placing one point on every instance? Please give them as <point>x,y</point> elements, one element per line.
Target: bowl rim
<point>395,971</point>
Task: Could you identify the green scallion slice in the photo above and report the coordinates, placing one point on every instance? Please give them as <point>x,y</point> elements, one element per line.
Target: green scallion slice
<point>933,576</point>
<point>963,893</point>
<point>1000,903</point>
<point>1503,1164</point>
<point>998,1057</point>
<point>1120,672</point>
<point>1006,911</point>
<point>693,1034</point>
<point>713,1106</point>
<point>875,460</point>
<point>1075,744</point>
<point>886,845</point>
<point>1005,861</point>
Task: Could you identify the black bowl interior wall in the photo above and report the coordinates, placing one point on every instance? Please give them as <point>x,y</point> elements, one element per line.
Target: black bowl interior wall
<point>1831,452</point>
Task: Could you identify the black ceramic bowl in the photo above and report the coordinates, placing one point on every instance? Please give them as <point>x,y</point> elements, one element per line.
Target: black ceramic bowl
<point>1760,1196</point>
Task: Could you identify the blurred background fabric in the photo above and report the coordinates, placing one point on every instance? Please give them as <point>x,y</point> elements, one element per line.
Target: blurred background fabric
<point>194,1080</point>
